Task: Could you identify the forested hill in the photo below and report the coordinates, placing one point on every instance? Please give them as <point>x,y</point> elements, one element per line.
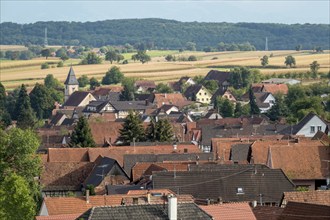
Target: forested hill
<point>167,33</point>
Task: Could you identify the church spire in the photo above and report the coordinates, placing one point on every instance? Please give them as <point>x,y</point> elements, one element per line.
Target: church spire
<point>71,78</point>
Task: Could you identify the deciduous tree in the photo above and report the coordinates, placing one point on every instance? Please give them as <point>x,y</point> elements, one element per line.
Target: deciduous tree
<point>83,81</point>
<point>41,101</point>
<point>113,76</point>
<point>16,201</point>
<point>17,155</point>
<point>290,61</point>
<point>129,89</point>
<point>264,60</point>
<point>314,67</point>
<point>163,88</point>
<point>93,82</point>
<point>46,53</point>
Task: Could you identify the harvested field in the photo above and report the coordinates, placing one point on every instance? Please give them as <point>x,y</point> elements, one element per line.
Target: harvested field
<point>14,73</point>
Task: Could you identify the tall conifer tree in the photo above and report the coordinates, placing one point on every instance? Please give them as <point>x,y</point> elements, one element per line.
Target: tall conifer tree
<point>25,115</point>
<point>82,135</point>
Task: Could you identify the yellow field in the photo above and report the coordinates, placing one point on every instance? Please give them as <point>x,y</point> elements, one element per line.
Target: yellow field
<point>14,73</point>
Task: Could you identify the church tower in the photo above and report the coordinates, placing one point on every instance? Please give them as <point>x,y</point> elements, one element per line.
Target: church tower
<point>71,84</point>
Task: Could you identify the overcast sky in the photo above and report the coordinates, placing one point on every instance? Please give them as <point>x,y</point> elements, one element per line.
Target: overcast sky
<point>265,11</point>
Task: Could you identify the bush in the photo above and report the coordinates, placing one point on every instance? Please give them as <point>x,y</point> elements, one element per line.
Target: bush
<point>60,64</point>
<point>45,66</point>
<point>192,58</point>
<point>125,62</point>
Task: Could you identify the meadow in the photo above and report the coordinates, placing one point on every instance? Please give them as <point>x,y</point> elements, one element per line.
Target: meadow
<point>14,73</point>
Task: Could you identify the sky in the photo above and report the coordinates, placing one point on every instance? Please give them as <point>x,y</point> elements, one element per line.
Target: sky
<point>263,11</point>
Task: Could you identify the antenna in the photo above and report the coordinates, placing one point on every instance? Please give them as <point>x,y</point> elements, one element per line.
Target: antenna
<point>266,45</point>
<point>46,41</point>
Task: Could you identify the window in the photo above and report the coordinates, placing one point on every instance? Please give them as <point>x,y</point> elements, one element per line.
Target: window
<point>319,128</point>
<point>207,99</point>
<point>240,190</point>
<point>203,99</point>
<point>204,93</point>
<point>312,129</point>
<point>200,93</point>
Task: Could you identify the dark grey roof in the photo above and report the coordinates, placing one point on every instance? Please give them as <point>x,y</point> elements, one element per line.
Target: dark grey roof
<point>131,105</point>
<point>141,97</point>
<point>71,78</point>
<point>185,211</point>
<point>76,98</point>
<point>56,118</point>
<point>270,183</point>
<point>192,90</point>
<point>99,105</point>
<point>219,76</point>
<point>101,169</point>
<point>240,152</point>
<point>236,130</point>
<point>217,93</point>
<point>131,159</point>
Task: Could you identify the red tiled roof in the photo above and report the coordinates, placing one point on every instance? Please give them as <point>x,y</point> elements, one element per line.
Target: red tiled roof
<point>276,88</point>
<point>66,175</point>
<point>232,211</point>
<point>303,160</point>
<point>104,130</point>
<point>267,212</point>
<point>68,155</point>
<point>59,217</point>
<point>170,99</point>
<point>115,152</point>
<point>79,205</point>
<point>145,83</point>
<point>319,197</point>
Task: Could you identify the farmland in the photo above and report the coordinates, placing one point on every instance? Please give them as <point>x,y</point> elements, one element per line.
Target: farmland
<point>14,73</point>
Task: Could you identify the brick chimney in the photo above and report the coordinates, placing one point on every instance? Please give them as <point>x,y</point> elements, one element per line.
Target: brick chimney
<point>172,207</point>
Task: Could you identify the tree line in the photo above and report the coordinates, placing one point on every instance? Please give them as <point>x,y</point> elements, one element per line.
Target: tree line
<point>167,34</point>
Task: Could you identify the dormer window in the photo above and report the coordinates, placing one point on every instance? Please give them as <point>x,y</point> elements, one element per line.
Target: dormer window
<point>240,190</point>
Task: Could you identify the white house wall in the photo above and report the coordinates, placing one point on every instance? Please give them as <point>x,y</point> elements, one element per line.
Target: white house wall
<point>314,122</point>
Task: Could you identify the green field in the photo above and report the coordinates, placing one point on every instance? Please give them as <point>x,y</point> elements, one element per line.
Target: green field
<point>14,73</point>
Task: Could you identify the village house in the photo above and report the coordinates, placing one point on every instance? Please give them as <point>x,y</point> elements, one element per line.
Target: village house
<point>184,81</point>
<point>227,94</point>
<point>308,126</point>
<point>221,77</point>
<point>145,86</point>
<point>198,93</point>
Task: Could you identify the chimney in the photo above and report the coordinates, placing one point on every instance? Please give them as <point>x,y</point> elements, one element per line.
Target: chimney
<point>148,197</point>
<point>87,196</point>
<point>165,95</point>
<point>147,102</point>
<point>172,207</point>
